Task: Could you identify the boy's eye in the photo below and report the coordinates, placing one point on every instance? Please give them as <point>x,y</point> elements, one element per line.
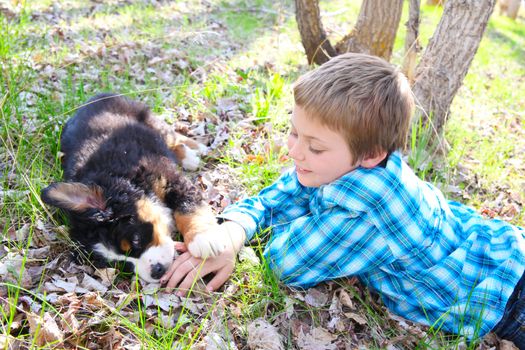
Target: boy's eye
<point>293,134</point>
<point>315,151</point>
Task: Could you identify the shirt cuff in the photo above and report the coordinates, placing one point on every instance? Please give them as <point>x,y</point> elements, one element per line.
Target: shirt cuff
<point>245,220</point>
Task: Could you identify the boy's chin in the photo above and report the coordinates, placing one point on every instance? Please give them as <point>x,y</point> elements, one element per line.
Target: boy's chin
<point>314,180</point>
<point>307,181</point>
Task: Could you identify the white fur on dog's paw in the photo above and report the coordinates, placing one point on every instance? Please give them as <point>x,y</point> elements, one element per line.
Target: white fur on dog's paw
<point>207,244</point>
<point>202,150</point>
<point>191,159</point>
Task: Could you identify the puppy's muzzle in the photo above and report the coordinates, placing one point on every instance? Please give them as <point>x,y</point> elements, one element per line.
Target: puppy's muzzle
<point>158,270</point>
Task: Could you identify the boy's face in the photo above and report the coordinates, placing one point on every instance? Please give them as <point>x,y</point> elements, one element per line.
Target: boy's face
<point>320,154</point>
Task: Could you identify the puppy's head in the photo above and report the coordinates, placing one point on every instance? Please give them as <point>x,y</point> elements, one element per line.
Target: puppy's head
<point>119,224</point>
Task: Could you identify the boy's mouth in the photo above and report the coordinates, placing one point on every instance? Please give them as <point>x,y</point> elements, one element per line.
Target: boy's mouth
<point>301,170</point>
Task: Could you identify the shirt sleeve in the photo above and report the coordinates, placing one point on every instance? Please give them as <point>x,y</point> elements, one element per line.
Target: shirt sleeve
<point>283,201</point>
<point>330,245</point>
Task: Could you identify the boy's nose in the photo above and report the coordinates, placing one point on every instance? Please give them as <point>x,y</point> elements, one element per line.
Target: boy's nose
<point>294,151</point>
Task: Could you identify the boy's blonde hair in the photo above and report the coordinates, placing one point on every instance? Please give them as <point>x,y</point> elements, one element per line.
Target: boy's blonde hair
<point>364,97</point>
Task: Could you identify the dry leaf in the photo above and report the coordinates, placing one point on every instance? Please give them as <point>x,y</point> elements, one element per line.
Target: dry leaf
<point>44,330</point>
<point>317,339</point>
<point>224,105</point>
<point>166,301</point>
<point>22,233</point>
<point>345,299</point>
<point>316,298</point>
<point>69,321</point>
<point>9,342</point>
<point>111,340</point>
<point>263,336</point>
<point>336,324</point>
<point>297,327</point>
<point>31,302</point>
<point>356,317</point>
<point>335,306</point>
<point>213,341</point>
<point>38,253</point>
<point>10,266</point>
<point>507,345</point>
<point>93,301</point>
<point>289,302</point>
<point>59,285</point>
<point>107,276</point>
<point>248,254</point>
<point>92,284</point>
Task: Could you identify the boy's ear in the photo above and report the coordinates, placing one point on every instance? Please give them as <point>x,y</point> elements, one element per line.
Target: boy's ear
<point>74,196</point>
<point>370,162</point>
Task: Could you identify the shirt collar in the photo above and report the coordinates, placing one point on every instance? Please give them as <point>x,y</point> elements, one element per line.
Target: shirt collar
<point>363,188</point>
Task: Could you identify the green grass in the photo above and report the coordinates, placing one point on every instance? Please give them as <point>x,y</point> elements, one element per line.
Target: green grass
<point>188,60</point>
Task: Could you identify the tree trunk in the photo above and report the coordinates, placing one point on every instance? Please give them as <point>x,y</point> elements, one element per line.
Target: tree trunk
<point>412,47</point>
<point>375,30</point>
<point>509,8</point>
<point>316,44</point>
<point>448,56</point>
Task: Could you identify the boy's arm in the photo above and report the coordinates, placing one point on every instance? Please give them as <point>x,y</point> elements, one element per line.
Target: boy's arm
<point>283,201</point>
<point>334,244</point>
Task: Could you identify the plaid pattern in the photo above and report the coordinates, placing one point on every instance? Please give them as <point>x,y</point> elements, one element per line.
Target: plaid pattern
<point>433,261</point>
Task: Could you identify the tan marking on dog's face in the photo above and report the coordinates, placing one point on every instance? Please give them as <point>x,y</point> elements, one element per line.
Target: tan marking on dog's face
<point>125,245</point>
<point>159,216</point>
<point>189,225</point>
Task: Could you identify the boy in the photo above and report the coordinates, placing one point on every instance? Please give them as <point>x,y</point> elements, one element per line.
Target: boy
<point>352,207</point>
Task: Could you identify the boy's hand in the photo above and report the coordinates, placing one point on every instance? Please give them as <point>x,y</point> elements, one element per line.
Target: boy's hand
<point>186,268</point>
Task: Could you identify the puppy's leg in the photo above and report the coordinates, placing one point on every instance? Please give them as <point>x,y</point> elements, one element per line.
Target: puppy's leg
<point>201,232</point>
<point>186,150</point>
<point>193,217</point>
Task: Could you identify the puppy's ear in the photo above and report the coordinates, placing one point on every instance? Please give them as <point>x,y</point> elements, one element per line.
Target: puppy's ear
<point>75,197</point>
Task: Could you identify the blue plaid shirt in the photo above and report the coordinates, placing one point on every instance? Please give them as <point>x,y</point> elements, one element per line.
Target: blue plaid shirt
<point>433,261</point>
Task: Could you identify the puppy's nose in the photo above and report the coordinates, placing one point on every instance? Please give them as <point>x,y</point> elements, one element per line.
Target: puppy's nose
<point>157,271</point>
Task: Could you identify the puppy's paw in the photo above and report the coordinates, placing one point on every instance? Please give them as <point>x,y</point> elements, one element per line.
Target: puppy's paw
<point>207,244</point>
<point>191,159</point>
<point>202,149</point>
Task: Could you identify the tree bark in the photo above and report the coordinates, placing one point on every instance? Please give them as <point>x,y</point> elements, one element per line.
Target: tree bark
<point>316,44</point>
<point>447,58</point>
<point>412,46</point>
<point>375,30</point>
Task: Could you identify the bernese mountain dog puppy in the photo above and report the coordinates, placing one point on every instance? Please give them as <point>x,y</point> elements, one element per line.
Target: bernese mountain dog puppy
<point>123,189</point>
